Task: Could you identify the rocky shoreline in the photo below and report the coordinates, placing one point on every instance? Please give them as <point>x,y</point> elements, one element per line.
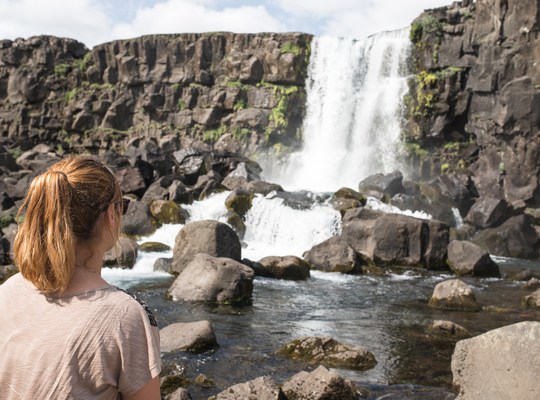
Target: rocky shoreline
<point>207,256</point>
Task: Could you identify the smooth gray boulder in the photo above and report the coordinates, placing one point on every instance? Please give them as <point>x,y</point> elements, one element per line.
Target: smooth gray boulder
<point>188,336</point>
<point>501,364</point>
<point>487,212</point>
<point>467,258</point>
<point>334,255</point>
<point>453,294</point>
<point>282,267</point>
<point>213,279</point>
<point>262,388</point>
<point>397,240</point>
<point>209,237</point>
<point>320,384</point>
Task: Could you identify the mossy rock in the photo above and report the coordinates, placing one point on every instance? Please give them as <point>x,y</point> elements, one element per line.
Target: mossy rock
<point>348,193</point>
<point>236,222</point>
<point>168,212</point>
<point>328,352</point>
<point>239,201</point>
<point>204,381</point>
<point>154,246</point>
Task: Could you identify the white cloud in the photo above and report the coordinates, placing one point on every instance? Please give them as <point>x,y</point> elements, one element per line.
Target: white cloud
<point>179,16</point>
<point>78,19</point>
<point>97,21</point>
<point>359,18</point>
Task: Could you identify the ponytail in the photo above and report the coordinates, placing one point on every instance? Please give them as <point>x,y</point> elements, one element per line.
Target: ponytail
<point>60,210</point>
<point>45,247</point>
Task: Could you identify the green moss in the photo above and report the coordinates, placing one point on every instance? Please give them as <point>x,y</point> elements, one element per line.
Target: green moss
<point>426,24</point>
<point>181,105</point>
<point>290,48</point>
<point>83,63</point>
<point>212,135</point>
<point>445,168</point>
<point>70,95</point>
<point>240,134</point>
<point>414,149</point>
<point>239,105</point>
<point>61,70</point>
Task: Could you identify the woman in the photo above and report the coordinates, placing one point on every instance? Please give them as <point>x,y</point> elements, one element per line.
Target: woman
<point>65,333</point>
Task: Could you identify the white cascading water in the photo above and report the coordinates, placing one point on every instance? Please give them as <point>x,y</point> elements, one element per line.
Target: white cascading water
<point>352,124</point>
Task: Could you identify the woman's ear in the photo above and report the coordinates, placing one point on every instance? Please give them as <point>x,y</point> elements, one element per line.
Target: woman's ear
<point>110,214</point>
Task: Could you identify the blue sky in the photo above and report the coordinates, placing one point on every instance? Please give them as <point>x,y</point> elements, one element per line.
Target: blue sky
<point>97,21</point>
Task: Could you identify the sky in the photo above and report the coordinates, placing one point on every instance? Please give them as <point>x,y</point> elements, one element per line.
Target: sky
<point>97,21</point>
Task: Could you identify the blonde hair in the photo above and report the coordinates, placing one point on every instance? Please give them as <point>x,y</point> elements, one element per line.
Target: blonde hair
<point>60,210</point>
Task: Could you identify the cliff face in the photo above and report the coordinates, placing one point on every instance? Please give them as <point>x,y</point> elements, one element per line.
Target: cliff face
<point>238,92</point>
<point>474,104</point>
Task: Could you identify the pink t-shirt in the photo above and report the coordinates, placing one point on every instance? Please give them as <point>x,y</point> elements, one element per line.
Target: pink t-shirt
<point>100,344</point>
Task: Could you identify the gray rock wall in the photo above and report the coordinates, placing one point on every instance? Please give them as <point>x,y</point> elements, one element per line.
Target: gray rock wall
<point>240,92</point>
<point>474,104</point>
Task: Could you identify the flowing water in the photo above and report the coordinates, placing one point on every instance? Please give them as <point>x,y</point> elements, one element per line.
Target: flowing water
<point>351,131</point>
<point>352,124</point>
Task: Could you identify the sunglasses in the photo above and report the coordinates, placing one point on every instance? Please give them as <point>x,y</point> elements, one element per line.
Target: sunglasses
<point>124,203</point>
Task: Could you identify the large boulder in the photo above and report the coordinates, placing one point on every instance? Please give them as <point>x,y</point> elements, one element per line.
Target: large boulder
<point>467,258</point>
<point>215,280</point>
<point>516,238</point>
<point>500,364</point>
<point>454,294</point>
<point>196,337</point>
<point>329,352</point>
<point>334,255</point>
<point>282,267</point>
<point>390,184</point>
<point>262,388</point>
<point>398,240</point>
<point>138,220</point>
<point>209,237</point>
<point>487,212</point>
<point>320,384</point>
<point>168,212</point>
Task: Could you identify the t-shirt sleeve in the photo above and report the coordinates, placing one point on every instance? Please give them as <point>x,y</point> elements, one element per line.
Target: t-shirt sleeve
<point>138,341</point>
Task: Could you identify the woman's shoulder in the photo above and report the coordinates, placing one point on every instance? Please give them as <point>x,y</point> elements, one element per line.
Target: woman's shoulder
<point>134,305</point>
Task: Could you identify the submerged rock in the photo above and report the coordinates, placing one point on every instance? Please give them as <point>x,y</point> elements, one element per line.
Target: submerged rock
<point>329,352</point>
<point>532,300</point>
<point>447,330</point>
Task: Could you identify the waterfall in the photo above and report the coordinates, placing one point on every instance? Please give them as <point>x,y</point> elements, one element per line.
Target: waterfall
<point>352,124</point>
<point>273,228</point>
